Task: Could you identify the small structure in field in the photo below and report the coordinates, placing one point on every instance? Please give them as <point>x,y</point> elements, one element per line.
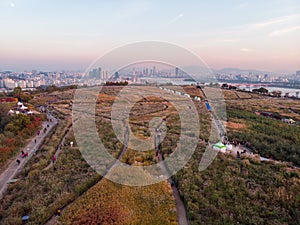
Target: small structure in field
<point>219,147</point>
<point>288,121</point>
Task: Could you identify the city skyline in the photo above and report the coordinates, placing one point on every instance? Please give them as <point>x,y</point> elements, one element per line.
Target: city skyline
<point>71,35</point>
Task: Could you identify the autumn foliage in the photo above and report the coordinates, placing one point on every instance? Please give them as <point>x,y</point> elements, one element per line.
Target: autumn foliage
<point>14,131</point>
<point>111,203</point>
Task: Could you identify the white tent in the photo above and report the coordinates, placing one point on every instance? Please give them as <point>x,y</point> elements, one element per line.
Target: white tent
<point>197,98</point>
<point>24,107</point>
<point>19,103</point>
<point>228,147</point>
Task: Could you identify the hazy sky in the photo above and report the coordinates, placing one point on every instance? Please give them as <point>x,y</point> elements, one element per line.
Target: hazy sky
<point>65,34</point>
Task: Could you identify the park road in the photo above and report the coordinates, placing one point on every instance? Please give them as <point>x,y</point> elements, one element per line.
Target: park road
<point>14,168</point>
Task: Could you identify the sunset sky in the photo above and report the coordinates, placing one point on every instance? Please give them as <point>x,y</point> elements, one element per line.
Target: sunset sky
<point>65,34</point>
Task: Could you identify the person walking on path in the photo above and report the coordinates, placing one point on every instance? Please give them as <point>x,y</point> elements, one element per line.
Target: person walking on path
<point>15,167</point>
<point>58,212</point>
<point>53,159</point>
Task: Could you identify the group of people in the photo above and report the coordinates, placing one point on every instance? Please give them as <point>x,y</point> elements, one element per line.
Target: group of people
<point>236,143</point>
<point>23,155</point>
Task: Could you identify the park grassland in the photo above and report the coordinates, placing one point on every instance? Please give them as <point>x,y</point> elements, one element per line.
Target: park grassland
<point>265,136</point>
<point>39,192</point>
<point>110,203</point>
<point>244,191</point>
<point>230,191</point>
<point>42,189</point>
<point>247,191</point>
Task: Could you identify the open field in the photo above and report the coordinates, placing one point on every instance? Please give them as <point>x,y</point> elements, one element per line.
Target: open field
<point>230,191</point>
<point>43,190</point>
<point>266,136</point>
<point>110,203</point>
<point>244,191</point>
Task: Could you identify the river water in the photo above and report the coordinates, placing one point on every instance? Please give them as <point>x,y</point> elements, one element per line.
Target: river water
<point>180,81</point>
<point>291,91</point>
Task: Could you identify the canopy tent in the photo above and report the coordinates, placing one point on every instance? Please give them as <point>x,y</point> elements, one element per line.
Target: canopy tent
<point>197,98</point>
<point>219,147</point>
<point>228,147</point>
<point>24,107</point>
<point>291,121</point>
<point>208,106</point>
<point>25,218</point>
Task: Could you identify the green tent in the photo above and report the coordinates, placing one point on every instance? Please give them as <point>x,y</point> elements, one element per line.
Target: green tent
<point>219,146</point>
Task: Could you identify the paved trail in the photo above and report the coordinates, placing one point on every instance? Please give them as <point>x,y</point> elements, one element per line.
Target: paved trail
<point>13,169</point>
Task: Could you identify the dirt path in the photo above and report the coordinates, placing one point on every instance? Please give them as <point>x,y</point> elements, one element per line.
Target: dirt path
<point>14,168</point>
<point>180,207</point>
<point>59,148</point>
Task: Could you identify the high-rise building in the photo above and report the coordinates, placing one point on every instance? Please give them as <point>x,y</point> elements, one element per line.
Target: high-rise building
<point>297,76</point>
<point>9,83</point>
<point>116,75</point>
<point>95,73</point>
<point>105,75</point>
<point>177,72</point>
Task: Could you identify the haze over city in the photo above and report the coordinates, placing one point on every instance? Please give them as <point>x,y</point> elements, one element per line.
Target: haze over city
<point>136,112</point>
<point>57,35</point>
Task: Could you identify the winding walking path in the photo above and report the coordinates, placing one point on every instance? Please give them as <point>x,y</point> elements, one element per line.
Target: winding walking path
<point>180,207</point>
<point>14,168</point>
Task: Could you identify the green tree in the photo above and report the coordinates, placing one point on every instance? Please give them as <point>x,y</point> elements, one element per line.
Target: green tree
<point>21,121</point>
<point>260,90</point>
<point>2,94</point>
<point>276,93</point>
<point>26,97</point>
<point>224,85</point>
<point>17,92</point>
<point>11,128</point>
